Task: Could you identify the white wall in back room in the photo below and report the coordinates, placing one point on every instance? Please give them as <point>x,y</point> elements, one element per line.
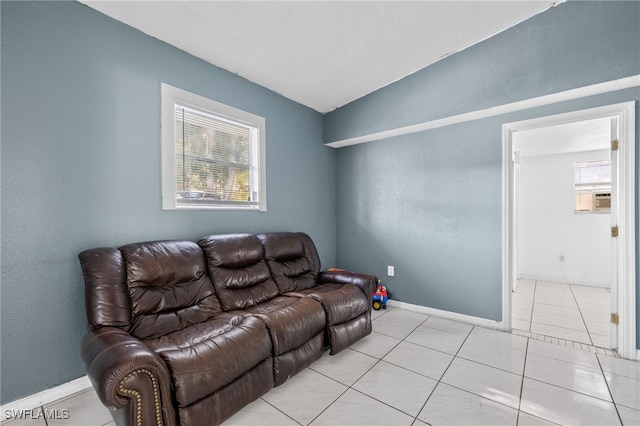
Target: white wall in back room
<point>555,243</point>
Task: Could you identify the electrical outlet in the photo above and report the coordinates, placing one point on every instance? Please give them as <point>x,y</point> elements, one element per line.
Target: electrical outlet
<point>390,270</point>
<point>561,258</point>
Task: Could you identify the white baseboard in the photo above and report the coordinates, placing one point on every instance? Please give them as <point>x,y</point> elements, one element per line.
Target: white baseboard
<point>481,322</point>
<point>48,396</point>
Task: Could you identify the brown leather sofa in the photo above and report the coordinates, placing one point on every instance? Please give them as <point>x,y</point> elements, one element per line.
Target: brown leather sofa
<point>189,333</point>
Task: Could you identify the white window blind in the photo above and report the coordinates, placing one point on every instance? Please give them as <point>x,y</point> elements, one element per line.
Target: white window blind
<point>214,159</point>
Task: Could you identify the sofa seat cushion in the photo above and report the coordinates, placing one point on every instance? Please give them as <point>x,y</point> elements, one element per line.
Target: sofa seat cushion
<point>341,302</point>
<point>291,321</point>
<point>205,357</point>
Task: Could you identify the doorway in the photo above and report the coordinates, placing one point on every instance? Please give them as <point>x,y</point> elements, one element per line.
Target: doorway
<point>543,274</point>
<point>563,263</point>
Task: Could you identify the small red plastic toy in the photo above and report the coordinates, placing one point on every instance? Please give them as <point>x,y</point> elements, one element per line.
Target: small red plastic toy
<point>380,297</point>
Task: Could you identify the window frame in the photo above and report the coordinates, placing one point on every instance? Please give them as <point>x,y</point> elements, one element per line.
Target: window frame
<point>590,189</point>
<point>170,96</point>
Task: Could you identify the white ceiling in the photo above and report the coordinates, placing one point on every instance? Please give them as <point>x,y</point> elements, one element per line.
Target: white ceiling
<point>579,136</point>
<point>323,54</point>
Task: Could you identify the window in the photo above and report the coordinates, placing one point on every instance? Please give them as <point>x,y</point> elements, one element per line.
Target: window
<point>212,154</point>
<point>592,184</point>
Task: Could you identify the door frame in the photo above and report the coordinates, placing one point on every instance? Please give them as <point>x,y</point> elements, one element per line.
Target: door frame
<point>625,243</point>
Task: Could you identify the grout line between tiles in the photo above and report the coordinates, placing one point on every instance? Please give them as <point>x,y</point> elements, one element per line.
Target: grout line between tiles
<point>581,316</point>
<point>524,366</point>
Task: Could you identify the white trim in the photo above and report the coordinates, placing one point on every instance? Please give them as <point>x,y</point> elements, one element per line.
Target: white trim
<point>48,396</point>
<point>169,95</point>
<point>567,95</point>
<point>625,243</point>
<point>626,240</point>
<point>468,319</point>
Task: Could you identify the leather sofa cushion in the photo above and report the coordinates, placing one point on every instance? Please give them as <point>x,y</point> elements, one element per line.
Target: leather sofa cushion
<point>293,260</point>
<point>341,302</point>
<point>206,357</point>
<point>239,272</point>
<point>216,408</point>
<point>291,321</point>
<point>168,286</point>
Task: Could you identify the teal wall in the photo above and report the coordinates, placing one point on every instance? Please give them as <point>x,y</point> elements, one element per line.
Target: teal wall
<point>81,168</point>
<point>430,203</point>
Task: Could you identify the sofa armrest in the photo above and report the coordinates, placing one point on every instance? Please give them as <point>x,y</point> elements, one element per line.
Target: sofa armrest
<point>129,378</point>
<point>367,283</point>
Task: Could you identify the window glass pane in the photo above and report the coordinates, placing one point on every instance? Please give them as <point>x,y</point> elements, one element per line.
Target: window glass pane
<point>213,159</point>
<point>592,184</point>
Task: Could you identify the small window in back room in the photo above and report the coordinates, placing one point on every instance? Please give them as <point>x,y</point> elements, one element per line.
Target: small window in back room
<point>592,184</point>
<point>212,154</point>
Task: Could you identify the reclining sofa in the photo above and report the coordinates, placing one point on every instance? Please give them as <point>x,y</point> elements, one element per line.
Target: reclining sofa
<point>189,333</point>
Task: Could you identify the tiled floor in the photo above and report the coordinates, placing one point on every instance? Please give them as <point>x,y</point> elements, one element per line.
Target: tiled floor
<point>417,370</point>
<point>566,311</point>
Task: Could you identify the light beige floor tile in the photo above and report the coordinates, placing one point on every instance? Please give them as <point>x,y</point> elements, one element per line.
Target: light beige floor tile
<point>400,388</point>
<point>305,395</point>
<point>23,418</point>
<point>497,385</point>
<point>522,314</point>
<point>565,407</point>
<point>496,337</point>
<point>565,302</point>
<point>398,323</point>
<point>578,378</point>
<point>376,345</point>
<point>573,323</point>
<point>525,282</point>
<point>453,327</point>
<point>261,413</point>
<point>449,406</point>
<point>553,290</point>
<point>497,356</point>
<point>563,353</point>
<point>625,390</point>
<point>550,284</point>
<point>586,289</point>
<point>620,367</point>
<point>525,419</point>
<point>556,293</point>
<point>601,341</point>
<point>346,367</point>
<point>436,339</point>
<point>421,360</point>
<point>603,308</point>
<point>562,333</point>
<point>629,417</point>
<point>523,296</point>
<point>520,325</point>
<point>520,304</point>
<point>570,311</point>
<point>597,317</point>
<point>602,328</point>
<point>354,408</point>
<point>379,313</point>
<point>84,409</point>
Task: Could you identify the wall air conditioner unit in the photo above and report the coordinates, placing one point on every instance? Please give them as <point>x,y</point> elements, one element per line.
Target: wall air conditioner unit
<point>601,201</point>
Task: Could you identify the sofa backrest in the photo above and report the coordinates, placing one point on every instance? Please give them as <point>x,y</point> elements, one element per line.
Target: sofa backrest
<point>292,258</point>
<point>238,270</point>
<point>168,287</point>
